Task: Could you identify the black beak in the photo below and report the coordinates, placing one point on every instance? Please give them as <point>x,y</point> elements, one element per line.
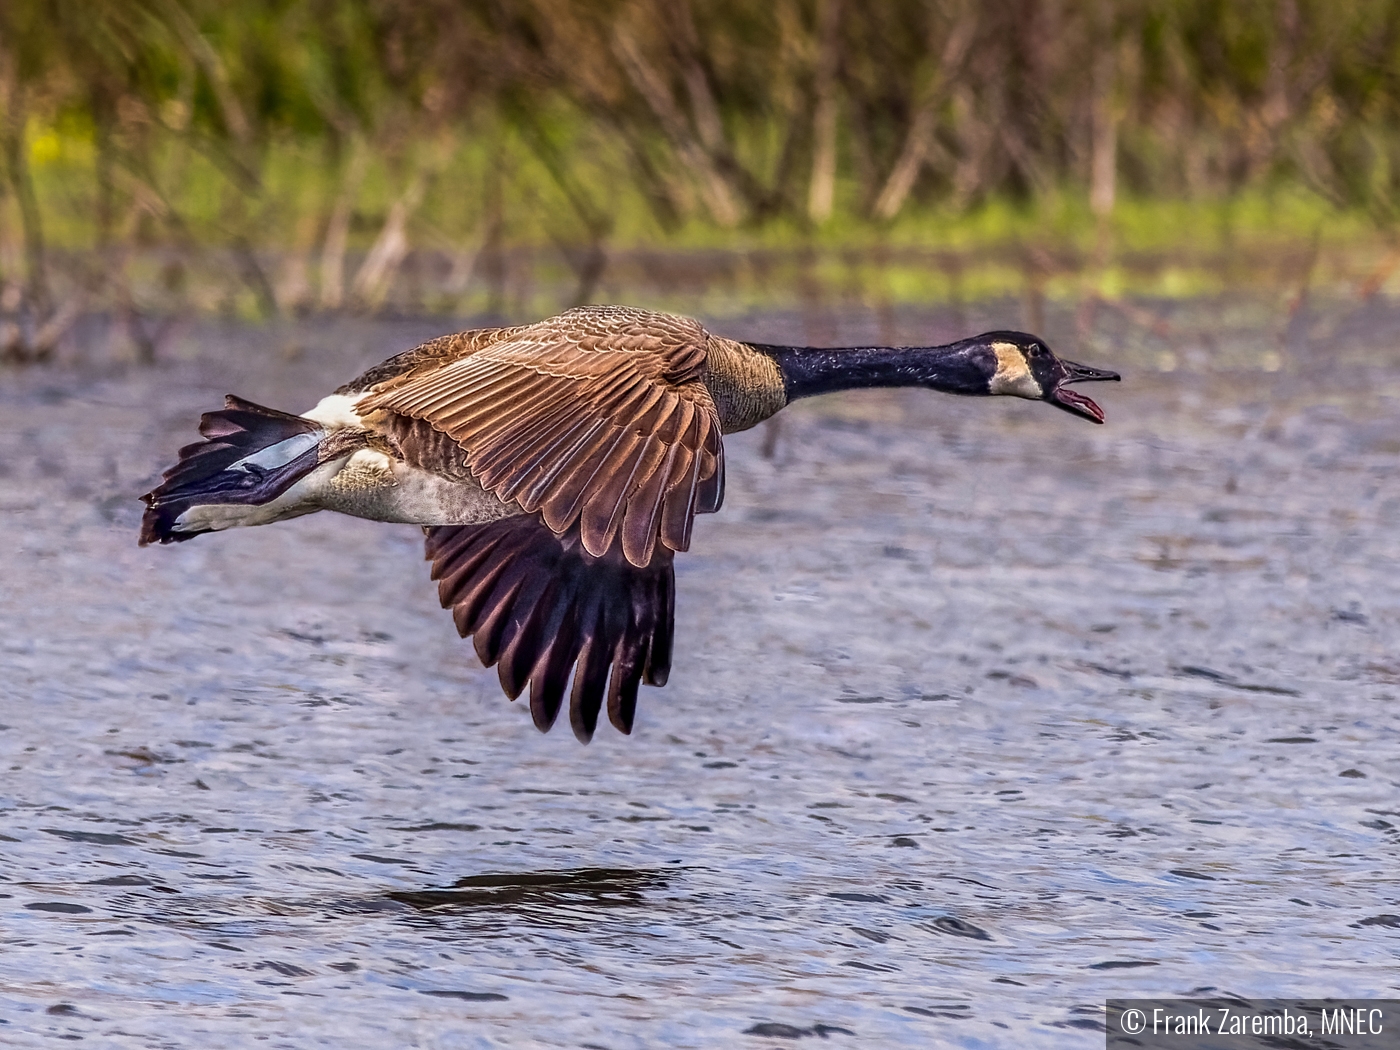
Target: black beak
<point>1072,400</point>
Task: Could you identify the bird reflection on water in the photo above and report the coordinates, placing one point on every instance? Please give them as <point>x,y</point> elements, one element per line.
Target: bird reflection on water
<point>539,894</point>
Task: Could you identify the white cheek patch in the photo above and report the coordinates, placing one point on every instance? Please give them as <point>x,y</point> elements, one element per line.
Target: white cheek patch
<point>1013,375</point>
<point>336,411</point>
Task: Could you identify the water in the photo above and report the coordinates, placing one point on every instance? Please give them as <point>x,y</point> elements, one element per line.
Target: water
<point>979,715</point>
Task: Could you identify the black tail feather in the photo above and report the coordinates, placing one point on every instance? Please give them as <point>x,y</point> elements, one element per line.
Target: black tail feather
<point>539,605</point>
<point>202,476</point>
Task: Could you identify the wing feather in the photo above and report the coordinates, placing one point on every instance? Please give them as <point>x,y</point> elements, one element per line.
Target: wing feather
<point>639,523</point>
<point>678,510</point>
<point>539,605</point>
<point>554,462</point>
<point>600,514</point>
<point>565,504</point>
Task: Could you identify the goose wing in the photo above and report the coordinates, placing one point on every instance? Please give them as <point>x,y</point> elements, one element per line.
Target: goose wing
<point>543,610</point>
<point>598,418</point>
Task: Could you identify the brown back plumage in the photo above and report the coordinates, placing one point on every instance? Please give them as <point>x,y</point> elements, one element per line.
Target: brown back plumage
<point>433,354</point>
<point>599,417</point>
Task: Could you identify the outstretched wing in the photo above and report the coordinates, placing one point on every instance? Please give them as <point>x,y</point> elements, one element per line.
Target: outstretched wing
<point>597,418</point>
<point>538,604</point>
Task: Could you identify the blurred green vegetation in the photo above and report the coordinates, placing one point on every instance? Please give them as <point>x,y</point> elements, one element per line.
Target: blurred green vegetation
<point>263,157</point>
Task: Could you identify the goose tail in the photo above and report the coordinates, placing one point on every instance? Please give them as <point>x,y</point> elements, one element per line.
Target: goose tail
<point>250,455</point>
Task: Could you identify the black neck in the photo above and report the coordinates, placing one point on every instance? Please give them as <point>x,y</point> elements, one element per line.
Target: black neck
<point>957,368</point>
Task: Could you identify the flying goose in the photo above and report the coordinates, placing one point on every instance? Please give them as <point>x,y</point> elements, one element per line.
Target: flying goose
<point>556,469</point>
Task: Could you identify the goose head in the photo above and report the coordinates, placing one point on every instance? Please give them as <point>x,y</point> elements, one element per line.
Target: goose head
<point>1023,366</point>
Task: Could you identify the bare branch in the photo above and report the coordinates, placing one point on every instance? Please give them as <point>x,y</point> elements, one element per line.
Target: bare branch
<point>338,226</point>
<point>821,194</point>
<point>921,128</point>
<point>697,85</point>
<point>713,188</point>
<point>203,53</point>
<point>14,155</point>
<point>376,273</point>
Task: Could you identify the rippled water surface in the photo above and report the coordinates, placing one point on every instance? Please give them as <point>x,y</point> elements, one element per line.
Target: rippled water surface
<point>979,715</point>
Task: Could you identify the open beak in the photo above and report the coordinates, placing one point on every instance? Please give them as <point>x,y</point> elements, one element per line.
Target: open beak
<point>1072,400</point>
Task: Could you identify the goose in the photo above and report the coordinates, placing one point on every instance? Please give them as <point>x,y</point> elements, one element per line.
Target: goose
<point>556,469</point>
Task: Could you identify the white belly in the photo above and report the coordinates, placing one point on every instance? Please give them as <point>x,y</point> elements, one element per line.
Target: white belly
<point>365,484</point>
<point>372,485</point>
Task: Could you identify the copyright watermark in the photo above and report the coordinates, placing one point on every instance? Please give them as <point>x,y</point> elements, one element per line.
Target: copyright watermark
<point>1244,1024</point>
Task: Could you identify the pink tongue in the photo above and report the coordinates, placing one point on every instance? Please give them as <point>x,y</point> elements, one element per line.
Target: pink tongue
<point>1073,397</point>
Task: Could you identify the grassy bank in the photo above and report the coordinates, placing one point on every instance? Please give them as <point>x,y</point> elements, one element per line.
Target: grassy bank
<point>184,236</point>
<point>263,158</point>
